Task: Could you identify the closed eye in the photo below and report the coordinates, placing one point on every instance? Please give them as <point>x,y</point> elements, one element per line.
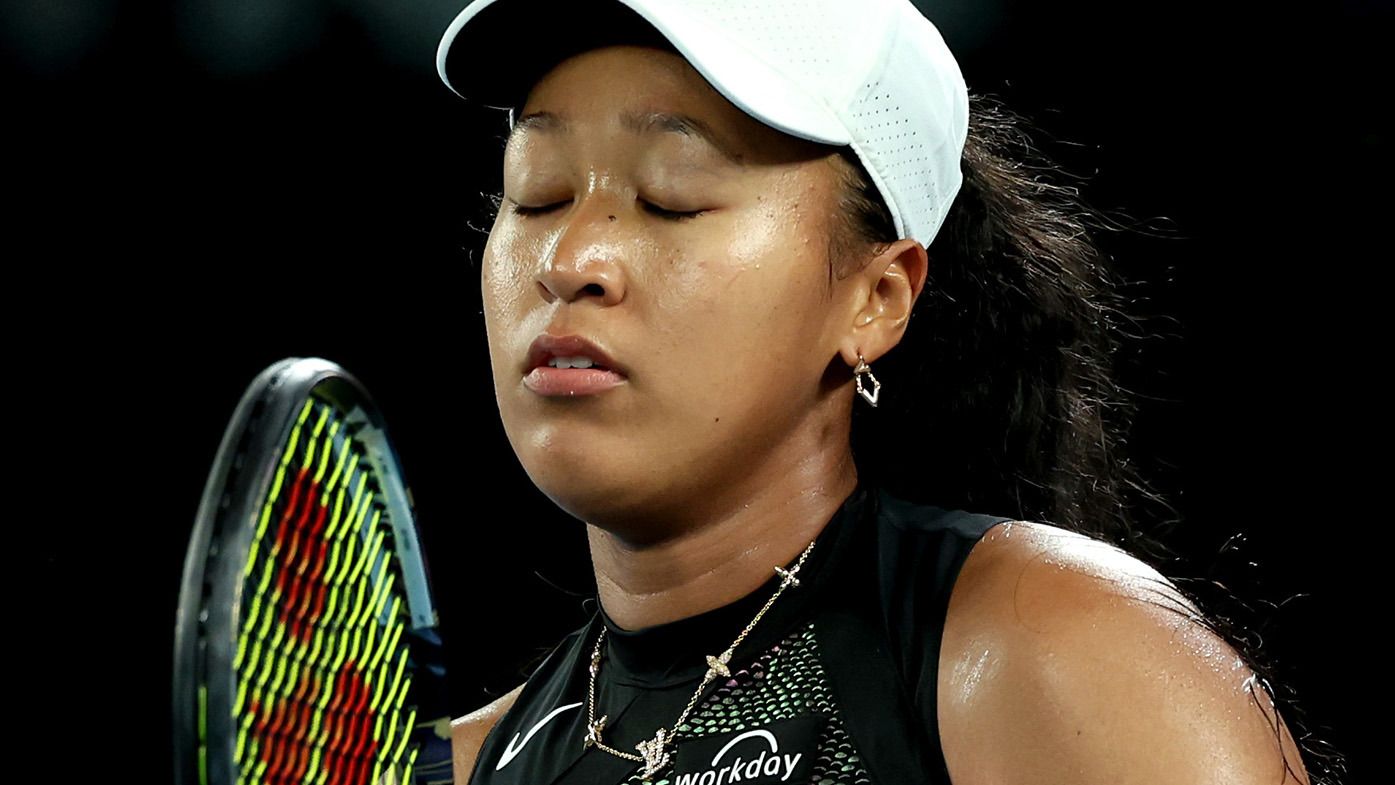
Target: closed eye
<point>519,209</point>
<point>672,215</point>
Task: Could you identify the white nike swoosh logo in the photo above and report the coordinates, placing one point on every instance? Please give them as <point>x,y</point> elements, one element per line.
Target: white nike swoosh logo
<point>514,747</point>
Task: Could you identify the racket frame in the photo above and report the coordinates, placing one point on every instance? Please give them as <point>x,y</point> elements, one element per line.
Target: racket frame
<point>205,681</point>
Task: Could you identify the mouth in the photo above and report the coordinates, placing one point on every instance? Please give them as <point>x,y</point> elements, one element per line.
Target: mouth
<point>570,365</point>
<point>571,382</point>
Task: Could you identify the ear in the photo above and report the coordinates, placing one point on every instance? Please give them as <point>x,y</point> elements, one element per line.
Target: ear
<point>889,286</point>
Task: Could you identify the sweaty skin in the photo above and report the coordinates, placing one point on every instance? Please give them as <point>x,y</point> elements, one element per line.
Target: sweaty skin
<point>726,448</point>
<point>467,733</point>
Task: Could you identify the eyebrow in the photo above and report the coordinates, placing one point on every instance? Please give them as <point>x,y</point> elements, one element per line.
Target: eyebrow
<point>639,123</point>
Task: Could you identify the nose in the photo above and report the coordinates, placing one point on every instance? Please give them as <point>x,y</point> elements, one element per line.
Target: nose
<point>583,260</point>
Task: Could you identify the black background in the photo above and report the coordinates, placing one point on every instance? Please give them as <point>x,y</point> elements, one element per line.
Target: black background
<point>197,189</point>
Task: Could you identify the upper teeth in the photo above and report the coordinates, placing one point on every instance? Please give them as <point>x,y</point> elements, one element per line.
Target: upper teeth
<point>571,362</point>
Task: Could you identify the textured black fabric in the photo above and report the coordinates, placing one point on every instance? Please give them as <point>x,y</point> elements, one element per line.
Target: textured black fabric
<point>854,650</point>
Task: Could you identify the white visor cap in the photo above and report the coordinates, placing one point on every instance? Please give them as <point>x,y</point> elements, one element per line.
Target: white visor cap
<point>872,74</point>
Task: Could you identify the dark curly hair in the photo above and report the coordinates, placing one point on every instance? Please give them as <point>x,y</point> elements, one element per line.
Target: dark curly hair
<point>1007,369</point>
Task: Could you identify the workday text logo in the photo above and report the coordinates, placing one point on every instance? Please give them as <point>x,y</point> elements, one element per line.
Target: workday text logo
<point>780,752</point>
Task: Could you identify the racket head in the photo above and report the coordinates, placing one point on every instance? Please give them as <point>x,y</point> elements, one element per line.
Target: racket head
<point>307,646</point>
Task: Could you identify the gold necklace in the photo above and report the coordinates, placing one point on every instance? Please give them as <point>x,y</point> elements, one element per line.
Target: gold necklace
<point>652,752</point>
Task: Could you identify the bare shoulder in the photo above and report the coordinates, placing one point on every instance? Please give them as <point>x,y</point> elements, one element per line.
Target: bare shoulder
<point>467,733</point>
<point>1022,566</point>
<point>1065,658</point>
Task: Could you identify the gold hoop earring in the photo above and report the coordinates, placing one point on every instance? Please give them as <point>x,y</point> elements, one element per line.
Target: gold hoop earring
<point>863,369</point>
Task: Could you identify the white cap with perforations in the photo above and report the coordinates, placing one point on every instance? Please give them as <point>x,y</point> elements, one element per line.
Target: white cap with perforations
<point>873,74</point>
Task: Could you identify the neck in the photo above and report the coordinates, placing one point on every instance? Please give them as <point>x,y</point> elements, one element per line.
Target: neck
<point>731,550</point>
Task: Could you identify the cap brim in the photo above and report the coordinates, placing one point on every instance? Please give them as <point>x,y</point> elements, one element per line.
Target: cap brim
<point>474,61</point>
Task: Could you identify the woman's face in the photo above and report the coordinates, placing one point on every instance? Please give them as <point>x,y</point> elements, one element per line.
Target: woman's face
<point>724,323</point>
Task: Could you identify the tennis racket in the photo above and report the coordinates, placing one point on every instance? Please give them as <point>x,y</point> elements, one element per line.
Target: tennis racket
<point>306,643</point>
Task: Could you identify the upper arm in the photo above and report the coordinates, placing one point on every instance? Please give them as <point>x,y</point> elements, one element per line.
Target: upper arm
<point>1068,661</point>
<point>467,733</point>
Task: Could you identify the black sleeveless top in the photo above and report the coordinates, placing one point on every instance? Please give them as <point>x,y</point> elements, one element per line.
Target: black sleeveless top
<point>835,685</point>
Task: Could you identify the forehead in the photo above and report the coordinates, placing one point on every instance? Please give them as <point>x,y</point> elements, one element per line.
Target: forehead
<point>648,91</point>
<point>638,79</point>
<point>638,122</point>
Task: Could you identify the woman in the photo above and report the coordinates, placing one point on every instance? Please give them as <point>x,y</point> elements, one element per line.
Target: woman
<point>717,218</point>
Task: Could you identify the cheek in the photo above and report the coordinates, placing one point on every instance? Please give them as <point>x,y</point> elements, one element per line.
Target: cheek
<point>738,321</point>
<point>745,265</point>
<point>503,278</point>
<point>503,284</point>
<point>508,287</point>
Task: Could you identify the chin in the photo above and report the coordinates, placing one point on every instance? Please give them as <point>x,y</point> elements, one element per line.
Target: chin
<point>600,499</point>
<point>614,496</point>
<point>586,474</point>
